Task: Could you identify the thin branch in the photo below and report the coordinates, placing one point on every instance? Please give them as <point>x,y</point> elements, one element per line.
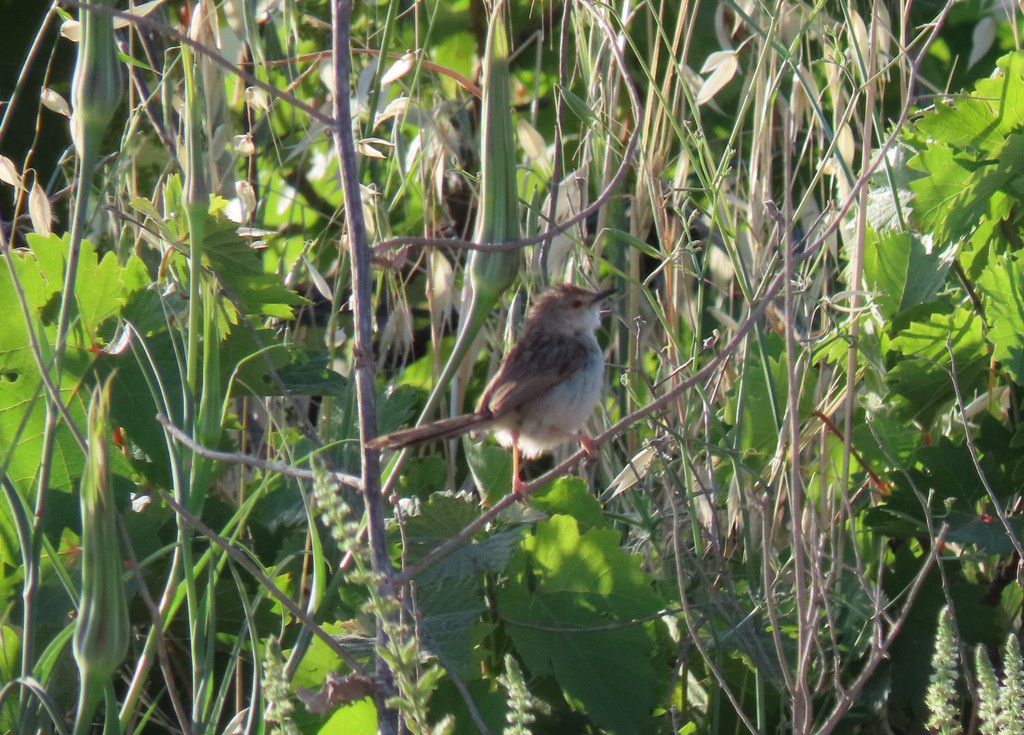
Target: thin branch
<point>317,56</point>
<point>997,506</point>
<point>268,584</point>
<point>849,696</point>
<point>362,350</point>
<point>342,478</point>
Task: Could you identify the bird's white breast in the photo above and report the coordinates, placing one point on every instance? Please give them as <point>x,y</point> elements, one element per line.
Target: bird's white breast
<point>566,408</point>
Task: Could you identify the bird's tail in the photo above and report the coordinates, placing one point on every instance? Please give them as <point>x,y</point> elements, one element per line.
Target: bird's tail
<point>436,431</point>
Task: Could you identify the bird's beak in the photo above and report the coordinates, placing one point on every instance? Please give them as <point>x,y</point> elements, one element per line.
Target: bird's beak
<point>600,296</point>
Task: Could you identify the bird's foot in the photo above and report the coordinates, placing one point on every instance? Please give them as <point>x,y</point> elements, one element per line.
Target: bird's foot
<point>589,446</point>
<point>518,490</point>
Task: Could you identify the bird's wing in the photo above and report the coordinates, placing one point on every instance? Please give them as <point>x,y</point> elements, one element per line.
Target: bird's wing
<point>531,369</point>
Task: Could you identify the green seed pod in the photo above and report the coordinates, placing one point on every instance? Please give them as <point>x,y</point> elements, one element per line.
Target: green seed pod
<point>102,627</point>
<point>96,88</point>
<point>491,273</point>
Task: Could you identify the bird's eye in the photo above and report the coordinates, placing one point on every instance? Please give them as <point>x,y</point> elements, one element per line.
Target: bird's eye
<point>577,303</point>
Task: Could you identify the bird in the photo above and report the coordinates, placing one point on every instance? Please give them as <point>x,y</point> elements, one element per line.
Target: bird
<point>545,389</point>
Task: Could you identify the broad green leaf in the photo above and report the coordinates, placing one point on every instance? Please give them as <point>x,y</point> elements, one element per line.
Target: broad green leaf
<point>355,719</point>
<point>249,355</point>
<point>972,151</point>
<point>985,117</point>
<point>921,379</point>
<point>450,625</point>
<point>437,520</point>
<point>1002,283</point>
<point>144,307</point>
<point>489,701</point>
<point>575,612</point>
<point>98,290</point>
<point>444,516</point>
<point>22,418</point>
<point>450,597</point>
<point>39,286</point>
<point>753,407</point>
<point>902,271</point>
<point>945,474</point>
<point>424,475</point>
<point>570,496</point>
<point>952,200</point>
<point>458,53</point>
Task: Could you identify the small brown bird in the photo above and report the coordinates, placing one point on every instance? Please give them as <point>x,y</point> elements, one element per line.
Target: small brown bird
<point>545,389</point>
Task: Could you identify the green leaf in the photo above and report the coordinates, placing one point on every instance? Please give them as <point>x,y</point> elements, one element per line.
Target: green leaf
<point>397,406</point>
<point>424,475</point>
<point>489,701</point>
<point>1002,283</point>
<point>491,468</point>
<point>902,271</point>
<point>449,623</point>
<point>359,718</point>
<point>249,355</point>
<point>457,52</point>
<point>984,118</point>
<point>753,403</point>
<point>445,516</point>
<point>921,379</point>
<point>972,150</point>
<point>22,418</point>
<point>98,290</point>
<point>575,612</point>
<point>571,496</point>
<point>239,268</point>
<point>944,474</point>
<point>440,518</point>
<point>952,200</point>
<point>449,595</point>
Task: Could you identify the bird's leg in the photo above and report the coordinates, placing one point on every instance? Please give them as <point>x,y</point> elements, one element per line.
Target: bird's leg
<point>517,483</point>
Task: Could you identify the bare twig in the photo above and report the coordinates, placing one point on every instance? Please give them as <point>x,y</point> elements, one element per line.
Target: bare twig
<point>879,650</point>
<point>342,478</point>
<point>997,505</point>
<point>268,584</point>
<point>363,369</point>
<point>318,56</point>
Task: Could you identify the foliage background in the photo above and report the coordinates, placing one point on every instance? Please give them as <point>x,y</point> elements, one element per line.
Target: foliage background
<point>809,439</point>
